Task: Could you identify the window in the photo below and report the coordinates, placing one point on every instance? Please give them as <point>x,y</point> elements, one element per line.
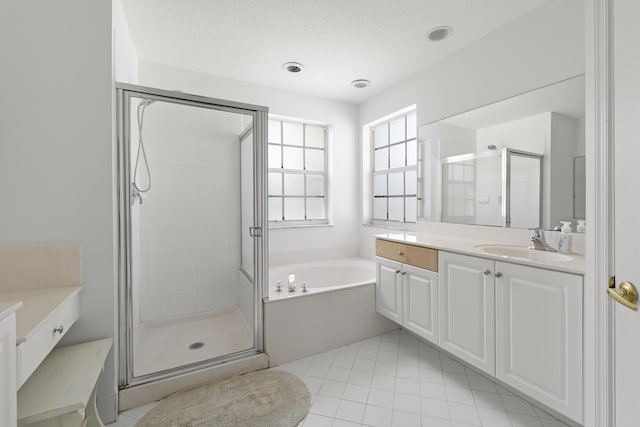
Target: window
<point>297,173</point>
<point>394,156</point>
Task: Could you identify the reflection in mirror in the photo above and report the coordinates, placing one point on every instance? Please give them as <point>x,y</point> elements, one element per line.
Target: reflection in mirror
<point>547,125</point>
<point>495,187</point>
<point>579,187</point>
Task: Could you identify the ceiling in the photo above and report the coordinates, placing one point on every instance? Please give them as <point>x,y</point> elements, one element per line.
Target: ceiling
<point>337,40</point>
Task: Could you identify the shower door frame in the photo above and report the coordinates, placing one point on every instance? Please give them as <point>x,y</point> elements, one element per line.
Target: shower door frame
<point>259,114</point>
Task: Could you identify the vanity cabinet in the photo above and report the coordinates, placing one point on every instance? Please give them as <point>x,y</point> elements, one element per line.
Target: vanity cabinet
<point>520,324</point>
<point>467,309</point>
<point>539,335</point>
<point>407,286</point>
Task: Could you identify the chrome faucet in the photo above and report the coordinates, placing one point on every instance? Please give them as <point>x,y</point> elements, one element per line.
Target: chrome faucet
<point>292,282</point>
<point>539,244</point>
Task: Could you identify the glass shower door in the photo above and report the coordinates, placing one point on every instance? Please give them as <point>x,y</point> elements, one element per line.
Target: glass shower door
<point>188,197</point>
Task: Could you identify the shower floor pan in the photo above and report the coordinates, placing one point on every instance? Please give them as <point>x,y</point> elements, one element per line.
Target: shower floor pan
<point>173,343</point>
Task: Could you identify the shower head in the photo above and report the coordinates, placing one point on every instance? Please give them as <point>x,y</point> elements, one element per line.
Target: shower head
<point>147,101</point>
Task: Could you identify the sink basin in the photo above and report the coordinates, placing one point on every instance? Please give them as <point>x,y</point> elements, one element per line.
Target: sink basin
<point>523,252</point>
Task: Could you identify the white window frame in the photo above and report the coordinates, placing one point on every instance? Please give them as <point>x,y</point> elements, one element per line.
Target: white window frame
<point>404,224</point>
<point>286,223</point>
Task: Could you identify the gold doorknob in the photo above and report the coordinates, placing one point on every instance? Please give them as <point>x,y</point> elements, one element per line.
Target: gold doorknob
<point>626,294</point>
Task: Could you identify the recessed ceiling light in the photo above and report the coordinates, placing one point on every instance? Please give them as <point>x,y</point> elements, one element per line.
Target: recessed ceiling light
<point>293,67</point>
<point>360,83</point>
<point>438,33</point>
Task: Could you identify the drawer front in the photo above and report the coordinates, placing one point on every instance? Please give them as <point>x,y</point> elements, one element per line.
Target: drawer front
<point>33,351</point>
<point>409,254</point>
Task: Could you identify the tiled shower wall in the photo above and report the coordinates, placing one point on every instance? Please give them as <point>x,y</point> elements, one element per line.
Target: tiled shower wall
<point>190,219</point>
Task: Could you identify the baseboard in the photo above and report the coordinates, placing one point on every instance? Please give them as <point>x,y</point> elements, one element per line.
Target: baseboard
<point>133,397</point>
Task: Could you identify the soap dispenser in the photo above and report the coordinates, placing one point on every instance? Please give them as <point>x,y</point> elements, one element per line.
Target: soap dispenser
<point>582,226</point>
<point>564,244</point>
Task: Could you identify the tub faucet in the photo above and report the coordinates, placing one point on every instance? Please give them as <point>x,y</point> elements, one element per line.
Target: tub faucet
<point>539,244</point>
<point>292,282</point>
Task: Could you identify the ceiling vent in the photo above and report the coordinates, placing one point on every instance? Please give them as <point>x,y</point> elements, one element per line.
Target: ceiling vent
<point>439,33</point>
<point>293,67</point>
<point>360,83</point>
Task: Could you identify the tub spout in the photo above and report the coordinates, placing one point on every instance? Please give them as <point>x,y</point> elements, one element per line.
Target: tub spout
<point>292,282</point>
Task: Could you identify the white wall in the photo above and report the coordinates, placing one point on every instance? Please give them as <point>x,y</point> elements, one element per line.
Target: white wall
<point>124,52</point>
<point>190,219</point>
<point>57,150</point>
<point>294,244</point>
<point>540,48</point>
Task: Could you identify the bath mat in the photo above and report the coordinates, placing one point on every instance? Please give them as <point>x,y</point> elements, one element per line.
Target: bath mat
<point>267,398</point>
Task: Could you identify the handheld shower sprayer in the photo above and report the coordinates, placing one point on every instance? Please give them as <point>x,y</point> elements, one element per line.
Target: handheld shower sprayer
<point>138,190</point>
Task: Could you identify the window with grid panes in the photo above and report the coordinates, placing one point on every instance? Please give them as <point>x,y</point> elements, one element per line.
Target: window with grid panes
<point>395,175</point>
<point>297,173</point>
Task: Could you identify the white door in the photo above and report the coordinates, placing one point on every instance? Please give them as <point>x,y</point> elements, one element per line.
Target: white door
<point>626,38</point>
<point>420,302</point>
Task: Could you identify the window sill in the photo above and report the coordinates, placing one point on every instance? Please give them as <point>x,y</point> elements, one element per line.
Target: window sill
<point>409,228</point>
<point>284,226</point>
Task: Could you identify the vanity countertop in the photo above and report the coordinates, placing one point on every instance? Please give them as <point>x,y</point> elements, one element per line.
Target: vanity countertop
<point>469,246</point>
<point>37,306</point>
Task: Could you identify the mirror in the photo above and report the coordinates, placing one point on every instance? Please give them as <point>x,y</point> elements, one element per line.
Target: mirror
<point>579,187</point>
<point>547,124</point>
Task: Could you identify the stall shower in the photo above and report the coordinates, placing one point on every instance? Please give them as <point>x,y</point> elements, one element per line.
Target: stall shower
<point>191,216</point>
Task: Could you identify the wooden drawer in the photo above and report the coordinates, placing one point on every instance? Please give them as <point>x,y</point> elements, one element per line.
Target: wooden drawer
<point>33,351</point>
<point>408,254</point>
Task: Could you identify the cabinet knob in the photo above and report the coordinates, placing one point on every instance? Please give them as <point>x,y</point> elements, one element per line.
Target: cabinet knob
<point>486,272</point>
<point>397,271</point>
<point>59,329</point>
<point>404,273</point>
<point>400,253</point>
<point>498,274</point>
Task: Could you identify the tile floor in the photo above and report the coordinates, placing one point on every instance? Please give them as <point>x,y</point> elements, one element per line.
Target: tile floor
<point>395,380</point>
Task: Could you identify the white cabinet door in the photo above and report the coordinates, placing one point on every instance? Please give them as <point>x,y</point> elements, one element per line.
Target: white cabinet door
<point>420,308</point>
<point>539,335</point>
<point>389,289</point>
<point>466,309</point>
